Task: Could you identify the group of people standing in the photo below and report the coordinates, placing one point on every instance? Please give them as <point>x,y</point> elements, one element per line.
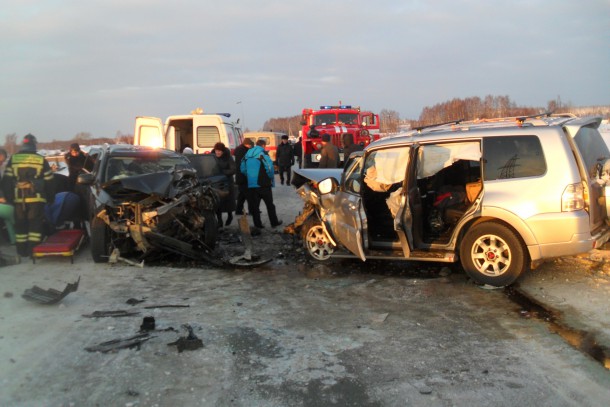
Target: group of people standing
<point>254,175</point>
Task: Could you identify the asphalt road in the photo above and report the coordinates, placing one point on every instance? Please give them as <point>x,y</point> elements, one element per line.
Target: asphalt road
<point>290,333</point>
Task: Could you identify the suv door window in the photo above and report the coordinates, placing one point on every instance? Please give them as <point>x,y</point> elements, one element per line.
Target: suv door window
<point>383,168</point>
<point>510,157</point>
<point>352,181</point>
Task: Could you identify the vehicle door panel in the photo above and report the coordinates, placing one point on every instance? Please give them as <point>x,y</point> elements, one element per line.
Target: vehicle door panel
<point>149,132</point>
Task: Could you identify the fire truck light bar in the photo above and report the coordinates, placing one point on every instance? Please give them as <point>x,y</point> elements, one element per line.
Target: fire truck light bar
<point>335,107</point>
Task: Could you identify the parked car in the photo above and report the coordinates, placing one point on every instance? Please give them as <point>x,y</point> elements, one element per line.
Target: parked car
<point>500,196</point>
<point>143,200</point>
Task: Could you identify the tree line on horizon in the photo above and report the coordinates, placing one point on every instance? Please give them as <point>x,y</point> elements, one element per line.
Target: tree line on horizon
<point>469,108</point>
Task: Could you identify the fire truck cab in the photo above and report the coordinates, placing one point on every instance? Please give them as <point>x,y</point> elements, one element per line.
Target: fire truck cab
<point>335,121</point>
<point>198,130</point>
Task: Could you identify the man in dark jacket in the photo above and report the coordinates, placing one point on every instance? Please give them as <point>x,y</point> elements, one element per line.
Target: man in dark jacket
<point>349,146</point>
<point>329,153</point>
<point>75,159</point>
<point>285,159</point>
<point>28,185</point>
<point>240,178</point>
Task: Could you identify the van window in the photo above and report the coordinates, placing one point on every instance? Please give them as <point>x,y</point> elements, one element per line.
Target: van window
<point>512,157</point>
<point>592,147</point>
<point>207,136</point>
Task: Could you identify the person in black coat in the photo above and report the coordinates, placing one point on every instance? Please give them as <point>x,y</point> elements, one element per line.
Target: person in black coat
<point>227,166</point>
<point>76,160</point>
<point>240,178</point>
<point>285,159</point>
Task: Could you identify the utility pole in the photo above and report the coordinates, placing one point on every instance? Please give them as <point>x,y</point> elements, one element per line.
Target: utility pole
<point>243,121</point>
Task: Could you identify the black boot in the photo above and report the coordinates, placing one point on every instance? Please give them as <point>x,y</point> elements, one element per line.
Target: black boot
<point>229,218</point>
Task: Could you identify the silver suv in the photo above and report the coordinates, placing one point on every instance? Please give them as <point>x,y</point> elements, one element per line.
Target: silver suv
<point>498,195</point>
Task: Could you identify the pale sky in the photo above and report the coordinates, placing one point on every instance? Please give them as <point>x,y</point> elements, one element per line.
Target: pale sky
<point>70,66</point>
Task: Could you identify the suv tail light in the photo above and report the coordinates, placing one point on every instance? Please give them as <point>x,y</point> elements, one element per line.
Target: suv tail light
<point>573,198</point>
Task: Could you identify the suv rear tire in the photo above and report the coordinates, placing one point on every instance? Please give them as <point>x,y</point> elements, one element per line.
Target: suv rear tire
<point>492,254</point>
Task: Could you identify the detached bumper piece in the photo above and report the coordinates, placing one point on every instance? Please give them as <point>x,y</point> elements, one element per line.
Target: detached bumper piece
<point>63,243</point>
<point>50,296</point>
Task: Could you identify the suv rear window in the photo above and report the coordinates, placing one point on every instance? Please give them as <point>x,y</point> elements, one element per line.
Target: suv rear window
<point>592,148</point>
<point>512,157</point>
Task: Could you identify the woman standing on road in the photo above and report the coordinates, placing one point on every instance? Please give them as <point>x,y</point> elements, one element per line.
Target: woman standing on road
<point>227,165</point>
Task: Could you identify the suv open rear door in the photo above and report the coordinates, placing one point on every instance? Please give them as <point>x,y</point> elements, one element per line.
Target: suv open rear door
<point>149,132</point>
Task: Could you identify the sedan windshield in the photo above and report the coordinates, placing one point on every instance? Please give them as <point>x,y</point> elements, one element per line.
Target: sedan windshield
<point>128,166</point>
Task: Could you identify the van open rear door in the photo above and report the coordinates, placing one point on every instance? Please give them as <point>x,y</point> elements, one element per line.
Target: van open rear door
<point>149,132</point>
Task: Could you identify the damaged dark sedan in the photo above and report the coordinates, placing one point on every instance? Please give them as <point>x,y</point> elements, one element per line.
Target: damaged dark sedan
<point>148,202</point>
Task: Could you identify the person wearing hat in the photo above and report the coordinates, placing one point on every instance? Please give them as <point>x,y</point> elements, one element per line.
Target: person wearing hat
<point>285,159</point>
<point>329,154</point>
<point>75,158</point>
<point>28,185</point>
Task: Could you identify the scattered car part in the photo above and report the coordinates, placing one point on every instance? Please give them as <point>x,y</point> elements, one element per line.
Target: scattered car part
<point>116,344</point>
<point>134,301</point>
<point>148,324</point>
<point>50,296</point>
<point>115,256</point>
<point>247,259</point>
<point>189,342</point>
<point>167,306</point>
<point>111,314</point>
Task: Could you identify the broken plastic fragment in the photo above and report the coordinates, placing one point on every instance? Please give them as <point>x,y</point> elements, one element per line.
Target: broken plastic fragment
<point>50,296</point>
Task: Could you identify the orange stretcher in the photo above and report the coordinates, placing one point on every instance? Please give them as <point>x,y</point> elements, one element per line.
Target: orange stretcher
<point>63,243</point>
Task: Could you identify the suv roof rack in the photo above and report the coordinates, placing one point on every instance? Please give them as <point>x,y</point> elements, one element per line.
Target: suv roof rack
<point>539,119</point>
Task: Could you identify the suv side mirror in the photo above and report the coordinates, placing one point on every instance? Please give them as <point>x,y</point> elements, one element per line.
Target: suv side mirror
<point>328,186</point>
<point>85,179</point>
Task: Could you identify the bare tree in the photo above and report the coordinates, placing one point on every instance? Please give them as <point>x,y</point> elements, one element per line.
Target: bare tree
<point>10,143</point>
<point>389,120</point>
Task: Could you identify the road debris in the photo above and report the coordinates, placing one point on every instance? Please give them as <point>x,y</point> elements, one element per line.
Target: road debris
<point>189,342</point>
<point>111,314</point>
<point>134,301</point>
<point>248,259</point>
<point>167,306</point>
<point>115,256</point>
<point>148,324</point>
<point>116,344</point>
<point>50,296</point>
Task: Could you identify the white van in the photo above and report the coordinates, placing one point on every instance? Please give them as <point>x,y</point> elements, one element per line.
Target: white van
<point>199,131</point>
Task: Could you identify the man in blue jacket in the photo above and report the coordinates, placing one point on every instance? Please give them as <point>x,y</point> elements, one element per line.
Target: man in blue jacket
<point>258,168</point>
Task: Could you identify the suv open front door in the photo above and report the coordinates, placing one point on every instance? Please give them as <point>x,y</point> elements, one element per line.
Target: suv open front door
<point>371,208</point>
<point>149,132</point>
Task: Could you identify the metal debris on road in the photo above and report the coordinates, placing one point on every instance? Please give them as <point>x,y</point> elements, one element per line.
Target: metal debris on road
<point>50,296</point>
<point>115,256</point>
<point>247,259</point>
<point>189,342</point>
<point>111,314</point>
<point>116,344</point>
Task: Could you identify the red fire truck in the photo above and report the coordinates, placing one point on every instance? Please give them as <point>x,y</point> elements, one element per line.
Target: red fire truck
<point>335,121</point>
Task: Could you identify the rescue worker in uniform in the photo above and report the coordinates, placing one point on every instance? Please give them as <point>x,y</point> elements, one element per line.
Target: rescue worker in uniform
<point>28,185</point>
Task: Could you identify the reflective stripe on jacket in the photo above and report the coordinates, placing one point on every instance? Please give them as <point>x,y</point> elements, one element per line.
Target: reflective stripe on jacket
<point>30,176</point>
